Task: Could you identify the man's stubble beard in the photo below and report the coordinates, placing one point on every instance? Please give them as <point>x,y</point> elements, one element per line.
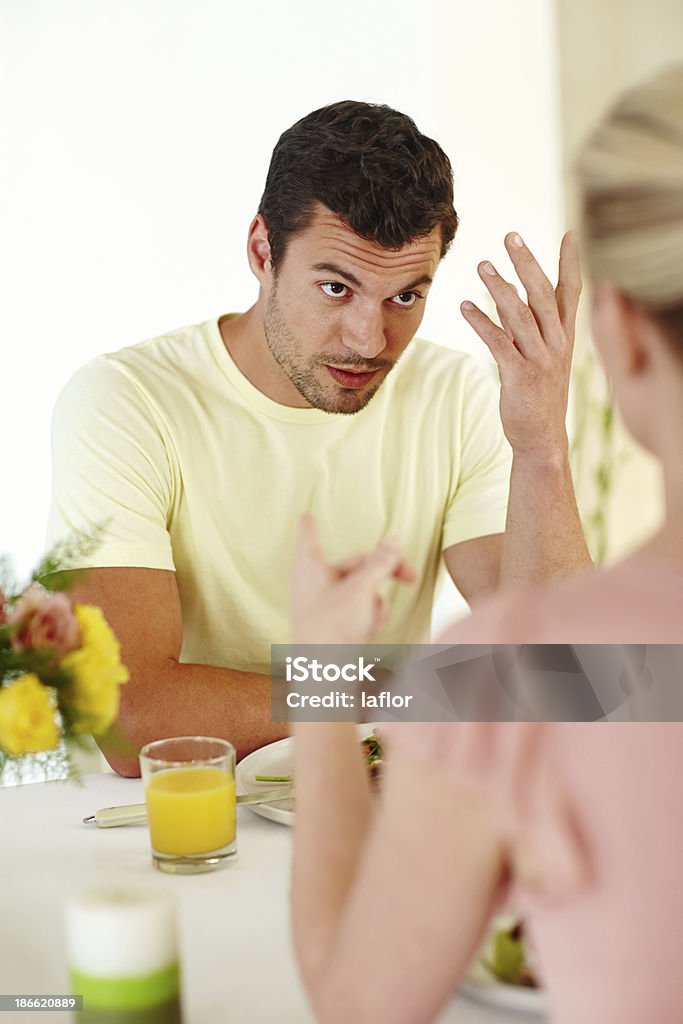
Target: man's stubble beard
<point>304,375</point>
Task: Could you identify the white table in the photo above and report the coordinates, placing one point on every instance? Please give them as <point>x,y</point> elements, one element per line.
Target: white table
<point>236,952</point>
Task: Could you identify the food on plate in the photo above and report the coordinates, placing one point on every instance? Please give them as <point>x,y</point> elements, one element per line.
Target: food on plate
<point>374,757</point>
<point>508,958</point>
<point>373,752</point>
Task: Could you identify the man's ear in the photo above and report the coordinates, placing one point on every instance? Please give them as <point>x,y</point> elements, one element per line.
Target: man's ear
<point>623,331</point>
<point>258,249</point>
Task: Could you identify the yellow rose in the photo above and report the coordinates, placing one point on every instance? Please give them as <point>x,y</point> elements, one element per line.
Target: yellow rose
<point>97,635</point>
<point>92,695</point>
<point>28,723</point>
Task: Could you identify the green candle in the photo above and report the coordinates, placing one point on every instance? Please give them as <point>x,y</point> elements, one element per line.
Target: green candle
<point>122,954</point>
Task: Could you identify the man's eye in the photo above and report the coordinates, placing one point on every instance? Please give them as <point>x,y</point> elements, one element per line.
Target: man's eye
<point>405,299</point>
<point>335,289</point>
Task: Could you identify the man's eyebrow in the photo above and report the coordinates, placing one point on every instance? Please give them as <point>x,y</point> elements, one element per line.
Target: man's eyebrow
<point>424,279</point>
<point>332,268</point>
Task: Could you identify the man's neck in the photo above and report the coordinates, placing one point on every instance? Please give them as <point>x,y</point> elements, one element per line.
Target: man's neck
<point>244,338</point>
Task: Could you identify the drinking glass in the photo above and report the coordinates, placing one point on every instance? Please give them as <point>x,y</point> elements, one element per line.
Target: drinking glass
<point>190,796</point>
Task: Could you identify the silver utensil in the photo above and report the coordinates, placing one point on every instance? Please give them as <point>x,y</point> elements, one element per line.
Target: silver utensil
<point>136,814</point>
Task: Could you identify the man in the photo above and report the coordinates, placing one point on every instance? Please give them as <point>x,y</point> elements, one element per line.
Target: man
<point>201,450</point>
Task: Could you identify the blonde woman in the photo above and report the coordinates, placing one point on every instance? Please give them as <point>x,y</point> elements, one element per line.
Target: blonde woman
<point>581,822</point>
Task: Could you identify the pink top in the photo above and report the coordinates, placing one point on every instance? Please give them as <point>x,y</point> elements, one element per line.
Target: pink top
<point>591,817</point>
<point>591,812</point>
<point>638,601</point>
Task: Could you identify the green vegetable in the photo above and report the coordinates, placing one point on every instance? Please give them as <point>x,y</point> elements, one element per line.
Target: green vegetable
<point>508,958</point>
<point>372,748</point>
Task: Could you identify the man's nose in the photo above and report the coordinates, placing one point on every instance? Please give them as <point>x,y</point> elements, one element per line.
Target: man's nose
<point>363,333</point>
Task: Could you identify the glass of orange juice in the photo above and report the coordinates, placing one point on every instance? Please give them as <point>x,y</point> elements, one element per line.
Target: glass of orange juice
<point>190,795</point>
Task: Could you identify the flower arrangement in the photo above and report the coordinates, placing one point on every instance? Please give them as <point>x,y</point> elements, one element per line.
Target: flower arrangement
<point>60,667</point>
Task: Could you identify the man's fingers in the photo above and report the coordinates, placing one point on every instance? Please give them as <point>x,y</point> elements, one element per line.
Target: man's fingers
<point>569,285</point>
<point>499,343</point>
<point>540,292</point>
<point>504,322</point>
<point>521,319</point>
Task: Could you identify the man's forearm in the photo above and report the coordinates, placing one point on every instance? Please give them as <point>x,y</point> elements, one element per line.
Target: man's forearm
<point>543,534</point>
<point>190,700</point>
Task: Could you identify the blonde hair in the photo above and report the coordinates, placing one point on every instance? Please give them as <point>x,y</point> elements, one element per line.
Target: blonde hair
<point>631,176</point>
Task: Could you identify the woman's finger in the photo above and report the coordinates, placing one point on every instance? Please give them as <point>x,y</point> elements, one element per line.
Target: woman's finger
<point>349,565</point>
<point>379,565</point>
<point>404,571</point>
<point>308,542</point>
<point>309,560</point>
<point>381,614</point>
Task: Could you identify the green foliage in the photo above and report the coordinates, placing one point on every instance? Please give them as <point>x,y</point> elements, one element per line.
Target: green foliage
<point>8,581</point>
<point>57,569</point>
<point>594,431</point>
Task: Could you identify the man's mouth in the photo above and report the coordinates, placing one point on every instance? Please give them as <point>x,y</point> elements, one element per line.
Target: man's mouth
<point>350,378</point>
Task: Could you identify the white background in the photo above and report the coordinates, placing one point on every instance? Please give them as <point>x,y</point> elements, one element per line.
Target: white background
<point>136,136</point>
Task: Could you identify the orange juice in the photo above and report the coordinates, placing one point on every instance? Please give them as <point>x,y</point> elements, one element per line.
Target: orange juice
<point>190,810</point>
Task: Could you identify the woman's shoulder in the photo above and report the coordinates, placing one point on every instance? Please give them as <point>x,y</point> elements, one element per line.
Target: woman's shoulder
<point>635,601</point>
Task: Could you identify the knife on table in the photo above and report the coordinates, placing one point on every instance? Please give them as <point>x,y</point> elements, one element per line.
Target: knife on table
<point>136,814</point>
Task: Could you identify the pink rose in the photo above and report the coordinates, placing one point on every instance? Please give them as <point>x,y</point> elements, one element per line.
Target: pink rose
<point>43,620</point>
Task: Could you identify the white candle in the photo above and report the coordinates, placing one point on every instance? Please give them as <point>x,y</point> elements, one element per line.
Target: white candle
<point>122,952</point>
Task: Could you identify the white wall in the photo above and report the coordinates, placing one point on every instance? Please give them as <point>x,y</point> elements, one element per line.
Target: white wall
<point>139,133</point>
<point>605,48</point>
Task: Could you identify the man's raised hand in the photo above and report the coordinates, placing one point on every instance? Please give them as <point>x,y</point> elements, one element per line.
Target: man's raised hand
<point>533,349</point>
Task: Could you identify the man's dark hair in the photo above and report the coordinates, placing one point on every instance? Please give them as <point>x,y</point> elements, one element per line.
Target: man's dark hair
<point>367,163</point>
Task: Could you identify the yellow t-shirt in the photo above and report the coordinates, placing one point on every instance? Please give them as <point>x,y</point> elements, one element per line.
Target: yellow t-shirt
<point>193,469</point>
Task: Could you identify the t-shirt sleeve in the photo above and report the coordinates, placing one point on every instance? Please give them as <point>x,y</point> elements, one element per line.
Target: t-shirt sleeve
<point>478,497</point>
<point>112,470</point>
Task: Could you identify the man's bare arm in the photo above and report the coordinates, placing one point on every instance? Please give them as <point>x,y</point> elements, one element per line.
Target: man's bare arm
<point>165,697</point>
<point>474,566</point>
<point>544,539</point>
<point>533,350</point>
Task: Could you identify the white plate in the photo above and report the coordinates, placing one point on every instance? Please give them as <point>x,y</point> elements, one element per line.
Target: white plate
<point>485,989</point>
<point>274,759</point>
